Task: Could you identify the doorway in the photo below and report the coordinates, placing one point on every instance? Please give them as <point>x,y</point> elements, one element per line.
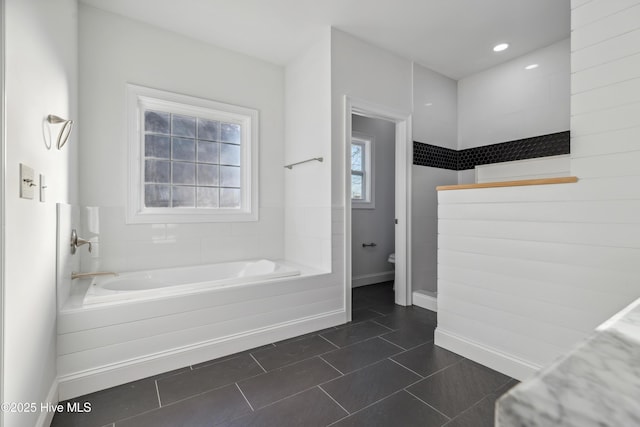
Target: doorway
<point>401,203</point>
<point>372,205</point>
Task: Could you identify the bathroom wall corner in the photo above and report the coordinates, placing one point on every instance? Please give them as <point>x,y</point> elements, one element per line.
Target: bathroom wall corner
<point>68,218</point>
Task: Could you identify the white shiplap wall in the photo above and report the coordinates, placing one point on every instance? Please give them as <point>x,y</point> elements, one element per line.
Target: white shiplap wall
<point>526,272</point>
<point>107,345</point>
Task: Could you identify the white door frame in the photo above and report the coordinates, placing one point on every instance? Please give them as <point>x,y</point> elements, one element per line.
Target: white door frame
<point>404,160</point>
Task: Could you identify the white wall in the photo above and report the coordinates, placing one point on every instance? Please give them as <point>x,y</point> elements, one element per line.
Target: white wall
<point>507,102</point>
<point>41,61</point>
<point>526,272</point>
<point>435,108</point>
<point>2,195</point>
<point>308,135</point>
<point>435,122</point>
<point>369,74</point>
<point>115,51</point>
<point>425,224</point>
<point>537,168</point>
<point>362,71</point>
<point>369,265</point>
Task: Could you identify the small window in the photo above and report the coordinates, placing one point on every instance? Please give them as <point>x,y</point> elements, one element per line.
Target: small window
<point>362,191</point>
<point>191,160</point>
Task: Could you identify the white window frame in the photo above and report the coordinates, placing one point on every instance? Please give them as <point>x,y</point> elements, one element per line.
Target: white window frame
<point>368,201</point>
<point>139,99</point>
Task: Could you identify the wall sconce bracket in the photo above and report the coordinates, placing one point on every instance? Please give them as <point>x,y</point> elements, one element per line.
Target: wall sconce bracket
<point>65,131</point>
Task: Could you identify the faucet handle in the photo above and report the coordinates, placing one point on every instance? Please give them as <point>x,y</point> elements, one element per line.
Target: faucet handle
<point>77,241</point>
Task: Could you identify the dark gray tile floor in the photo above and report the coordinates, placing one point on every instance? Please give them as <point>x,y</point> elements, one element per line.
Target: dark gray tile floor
<point>382,369</point>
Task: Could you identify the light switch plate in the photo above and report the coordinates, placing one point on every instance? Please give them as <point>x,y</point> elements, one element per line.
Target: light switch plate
<point>27,184</point>
<point>43,187</point>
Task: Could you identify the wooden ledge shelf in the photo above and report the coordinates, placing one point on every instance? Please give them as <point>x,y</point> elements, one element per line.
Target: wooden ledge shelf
<point>521,183</point>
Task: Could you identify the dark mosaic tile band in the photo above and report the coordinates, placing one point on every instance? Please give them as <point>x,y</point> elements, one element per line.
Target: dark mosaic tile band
<point>434,156</point>
<point>553,144</point>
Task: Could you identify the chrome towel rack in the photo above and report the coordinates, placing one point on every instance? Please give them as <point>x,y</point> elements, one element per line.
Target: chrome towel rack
<point>317,159</point>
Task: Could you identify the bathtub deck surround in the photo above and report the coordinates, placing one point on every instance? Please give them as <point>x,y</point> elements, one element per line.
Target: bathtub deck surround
<point>175,281</point>
<point>109,335</point>
<point>380,369</point>
<point>597,384</point>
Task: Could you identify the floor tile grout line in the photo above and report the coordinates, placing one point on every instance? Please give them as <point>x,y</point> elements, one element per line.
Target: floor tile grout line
<point>291,340</point>
<point>337,403</point>
<point>445,368</point>
<point>158,394</point>
<point>245,398</point>
<point>327,340</point>
<point>256,360</point>
<point>414,383</point>
<point>291,395</point>
<point>335,349</point>
<point>363,341</point>
<point>399,346</point>
<point>384,326</point>
<point>286,397</point>
<point>360,369</point>
<point>216,361</point>
<point>368,406</point>
<point>424,343</point>
<point>215,388</point>
<point>473,405</point>
<point>128,417</point>
<point>306,358</point>
<point>408,369</point>
<point>430,406</point>
<point>300,361</point>
<point>328,363</point>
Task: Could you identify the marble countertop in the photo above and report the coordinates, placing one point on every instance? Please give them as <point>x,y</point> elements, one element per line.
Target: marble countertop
<point>596,384</point>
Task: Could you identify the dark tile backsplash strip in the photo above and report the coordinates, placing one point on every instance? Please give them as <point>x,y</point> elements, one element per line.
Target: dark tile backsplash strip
<point>434,156</point>
<point>553,144</point>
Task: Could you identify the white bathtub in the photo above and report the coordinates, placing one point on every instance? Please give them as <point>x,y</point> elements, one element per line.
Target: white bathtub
<point>159,283</point>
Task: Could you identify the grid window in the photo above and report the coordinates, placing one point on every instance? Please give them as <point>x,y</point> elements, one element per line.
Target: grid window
<point>362,172</point>
<point>192,160</point>
<point>358,188</point>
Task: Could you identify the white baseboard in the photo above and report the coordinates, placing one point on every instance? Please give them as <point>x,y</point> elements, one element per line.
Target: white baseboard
<point>370,279</point>
<point>89,381</point>
<point>46,417</point>
<point>495,359</point>
<point>426,300</point>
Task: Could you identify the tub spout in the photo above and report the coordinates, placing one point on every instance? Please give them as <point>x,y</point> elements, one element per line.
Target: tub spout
<point>75,275</point>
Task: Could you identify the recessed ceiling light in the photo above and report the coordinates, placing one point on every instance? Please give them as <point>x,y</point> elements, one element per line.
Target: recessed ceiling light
<point>531,67</point>
<point>428,104</point>
<point>500,47</point>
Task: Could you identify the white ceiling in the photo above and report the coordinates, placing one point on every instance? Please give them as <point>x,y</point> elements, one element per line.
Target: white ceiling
<point>453,37</point>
